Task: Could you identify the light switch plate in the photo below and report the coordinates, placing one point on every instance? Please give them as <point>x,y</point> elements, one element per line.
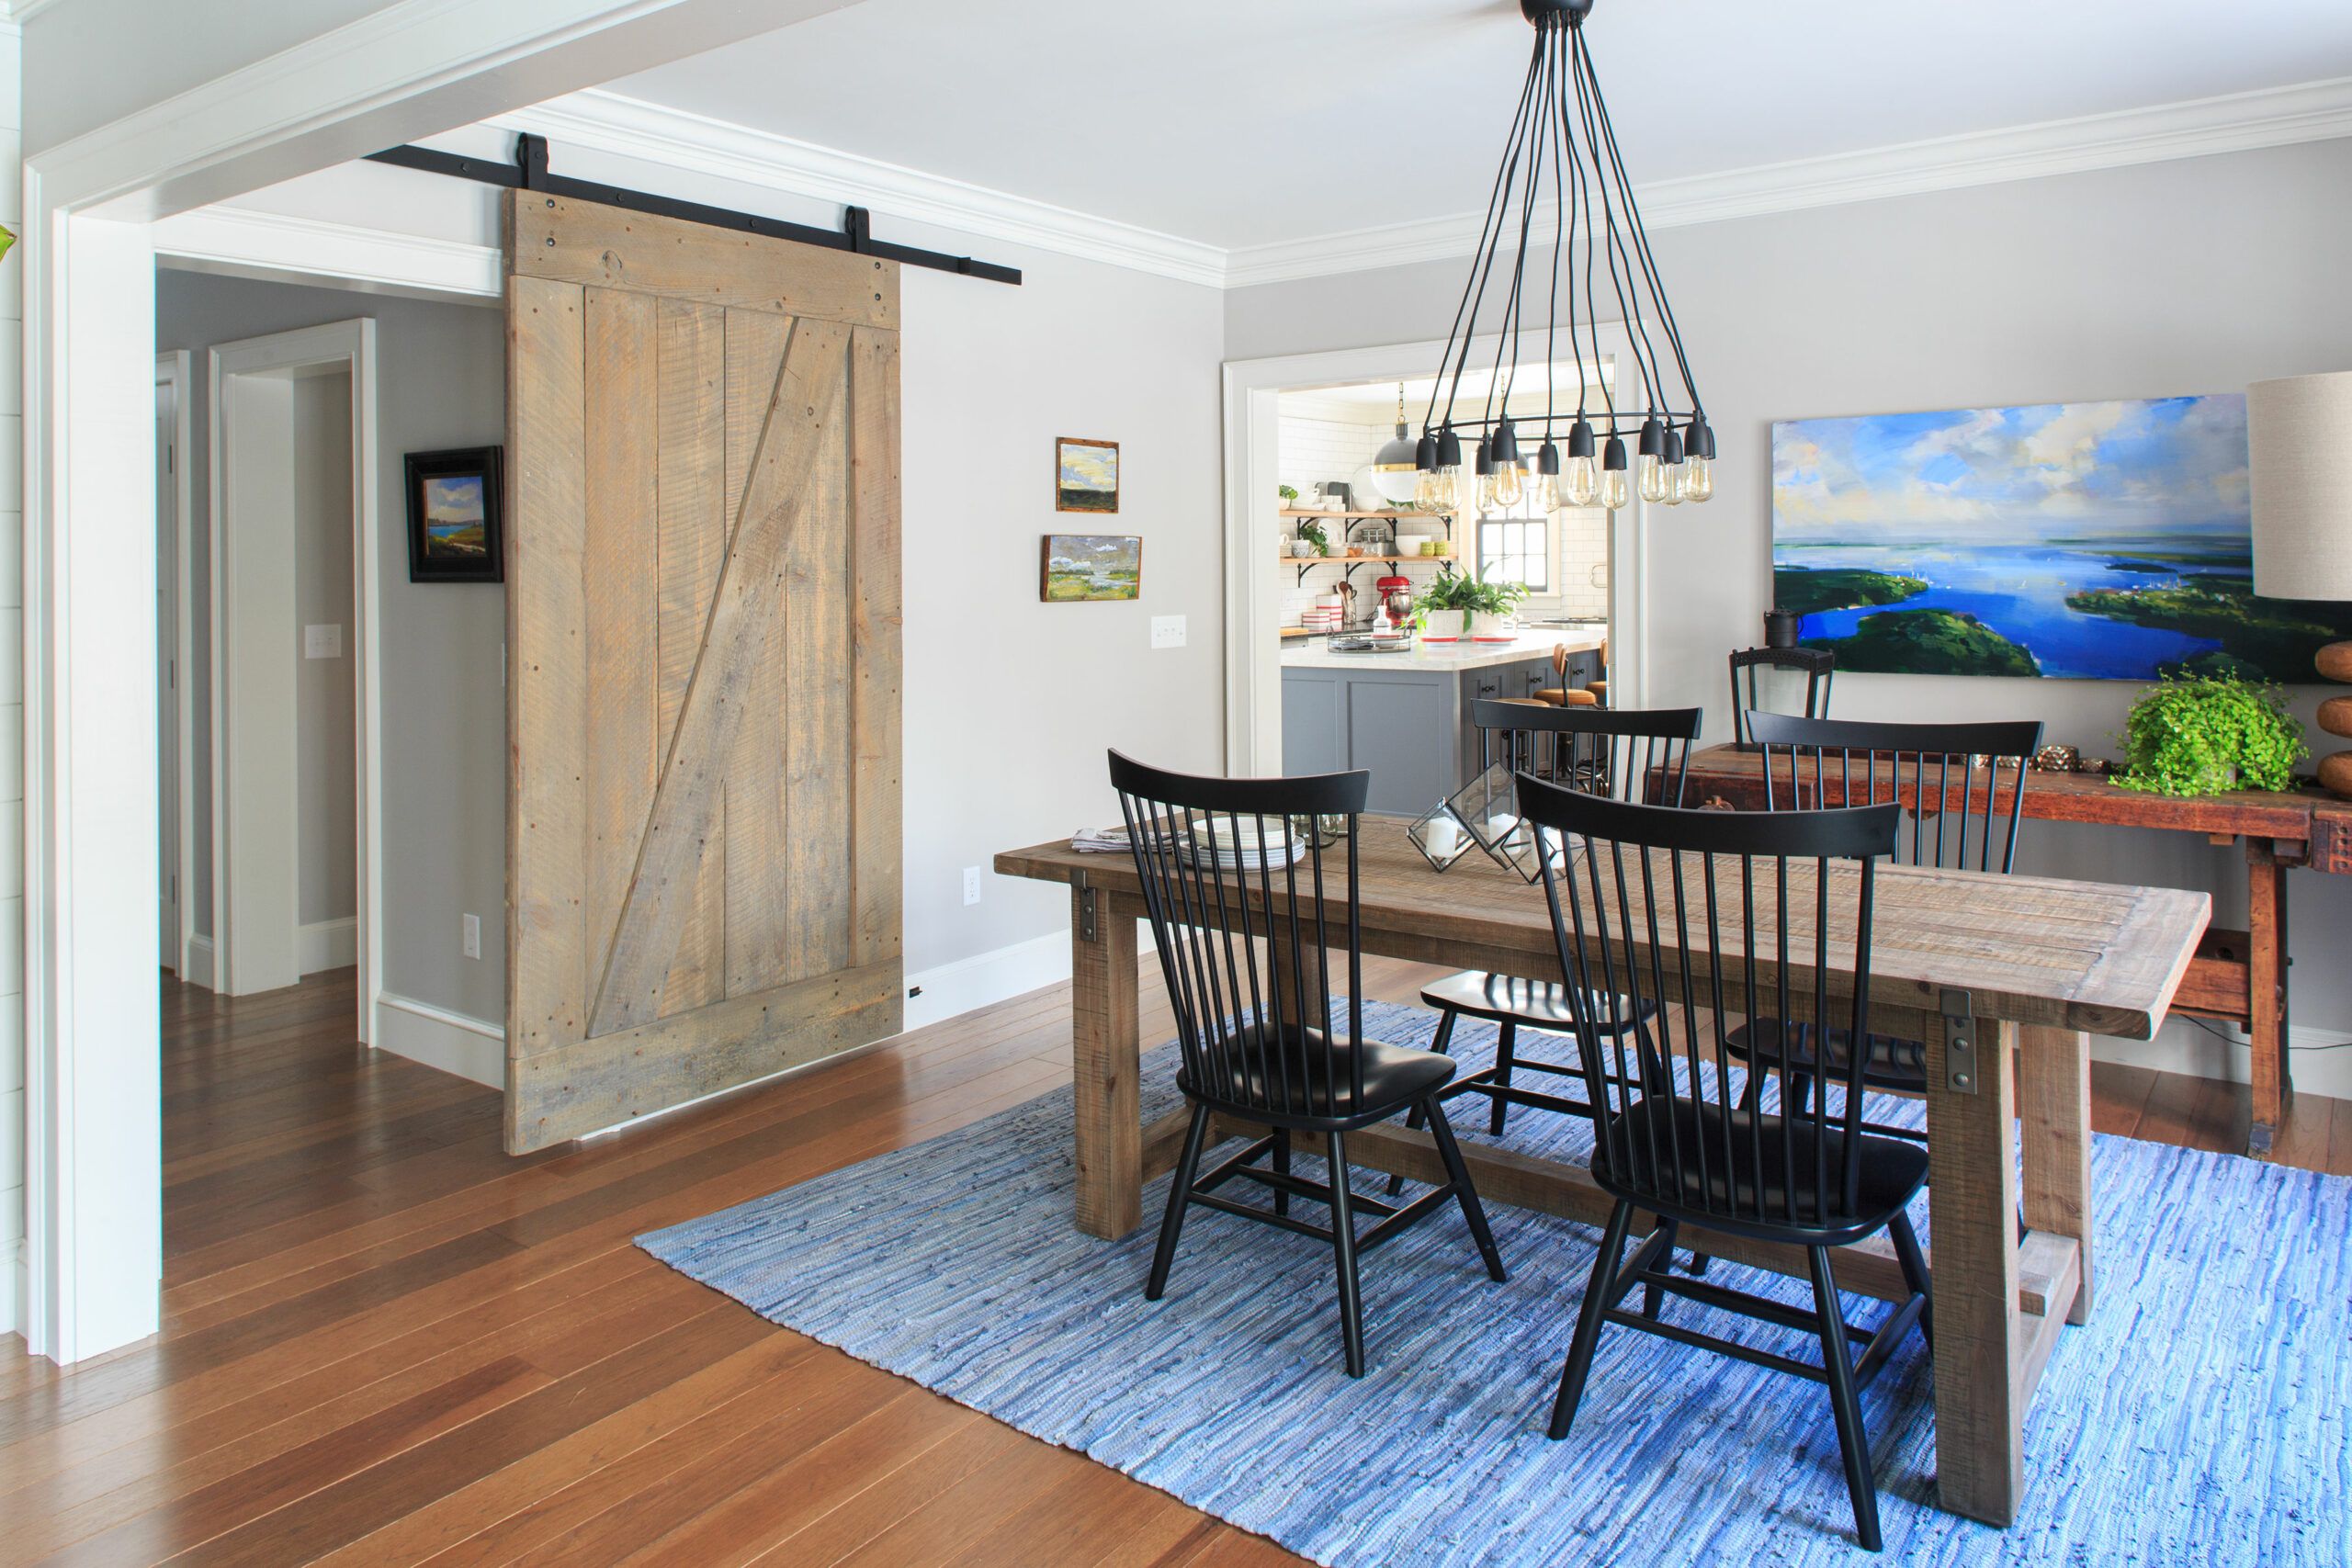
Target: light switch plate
<point>971,885</point>
<point>471,929</point>
<point>322,642</point>
<point>1168,631</point>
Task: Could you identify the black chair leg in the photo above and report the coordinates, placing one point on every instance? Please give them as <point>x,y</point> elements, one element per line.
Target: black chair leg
<point>1652,1296</point>
<point>1853,1442</point>
<point>1343,1244</point>
<point>1443,1043</point>
<point>1506,1043</point>
<point>1915,1273</point>
<point>1179,1197</point>
<point>1464,1192</point>
<point>1596,1302</point>
<point>1282,1167</point>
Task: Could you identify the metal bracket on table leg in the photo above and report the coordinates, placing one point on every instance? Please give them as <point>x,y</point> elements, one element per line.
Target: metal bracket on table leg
<point>1089,928</point>
<point>1961,1069</point>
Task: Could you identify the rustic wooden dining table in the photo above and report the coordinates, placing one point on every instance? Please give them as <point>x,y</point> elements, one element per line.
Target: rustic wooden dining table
<point>2004,978</point>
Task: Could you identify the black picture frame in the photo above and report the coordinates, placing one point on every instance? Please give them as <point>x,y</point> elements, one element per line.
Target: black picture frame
<point>433,559</point>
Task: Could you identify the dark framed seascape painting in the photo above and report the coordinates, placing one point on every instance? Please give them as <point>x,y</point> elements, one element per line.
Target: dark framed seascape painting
<point>455,515</point>
<point>2091,541</point>
<point>1086,475</point>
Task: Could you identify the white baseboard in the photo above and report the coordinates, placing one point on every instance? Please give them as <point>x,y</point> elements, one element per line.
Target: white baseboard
<point>2183,1046</point>
<point>15,1286</point>
<point>439,1038</point>
<point>199,963</point>
<point>327,945</point>
<point>986,977</point>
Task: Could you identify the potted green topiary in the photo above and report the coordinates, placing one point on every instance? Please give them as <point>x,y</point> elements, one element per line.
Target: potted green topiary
<point>1312,532</point>
<point>2203,735</point>
<point>1453,600</point>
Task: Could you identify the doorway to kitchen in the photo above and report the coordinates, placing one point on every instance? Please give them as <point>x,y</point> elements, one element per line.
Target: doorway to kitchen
<point>1343,649</point>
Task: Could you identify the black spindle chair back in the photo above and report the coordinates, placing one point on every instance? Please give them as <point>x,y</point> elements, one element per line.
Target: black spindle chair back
<point>1962,817</point>
<point>1246,906</point>
<point>1762,894</point>
<point>1616,752</point>
<point>1818,665</point>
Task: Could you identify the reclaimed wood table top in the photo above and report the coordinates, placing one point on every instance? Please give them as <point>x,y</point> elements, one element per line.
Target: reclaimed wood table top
<point>2080,956</point>
<point>1739,775</point>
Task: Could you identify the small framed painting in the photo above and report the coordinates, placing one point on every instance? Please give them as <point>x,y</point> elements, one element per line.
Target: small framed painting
<point>455,515</point>
<point>1083,567</point>
<point>1086,475</point>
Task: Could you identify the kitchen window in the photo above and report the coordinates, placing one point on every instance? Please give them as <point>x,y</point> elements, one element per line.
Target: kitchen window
<point>1561,557</point>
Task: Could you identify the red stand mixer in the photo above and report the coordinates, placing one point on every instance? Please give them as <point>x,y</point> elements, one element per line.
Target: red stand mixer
<point>1397,598</point>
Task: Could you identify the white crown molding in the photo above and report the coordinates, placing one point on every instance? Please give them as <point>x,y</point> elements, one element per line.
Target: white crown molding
<point>20,11</point>
<point>609,122</point>
<point>2308,111</point>
<point>246,238</point>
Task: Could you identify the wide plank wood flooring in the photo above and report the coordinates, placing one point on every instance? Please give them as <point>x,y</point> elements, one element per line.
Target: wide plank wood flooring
<point>386,1341</point>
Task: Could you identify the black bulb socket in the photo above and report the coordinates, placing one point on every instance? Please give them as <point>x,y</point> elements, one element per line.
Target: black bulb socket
<point>1547,459</point>
<point>1580,439</point>
<point>1486,456</point>
<point>1613,457</point>
<point>1425,453</point>
<point>1652,443</point>
<point>1699,439</point>
<point>1506,447</point>
<point>1449,448</point>
<point>1673,453</point>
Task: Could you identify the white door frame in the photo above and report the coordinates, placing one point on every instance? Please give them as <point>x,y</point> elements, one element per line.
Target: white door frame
<point>409,68</point>
<point>349,345</point>
<point>174,368</point>
<point>1253,673</point>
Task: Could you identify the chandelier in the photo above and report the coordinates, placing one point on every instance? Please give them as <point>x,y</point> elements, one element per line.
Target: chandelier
<point>1562,146</point>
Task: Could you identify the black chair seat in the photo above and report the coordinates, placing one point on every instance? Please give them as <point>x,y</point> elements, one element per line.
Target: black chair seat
<point>1744,1151</point>
<point>1539,1004</point>
<point>1893,1064</point>
<point>1260,1062</point>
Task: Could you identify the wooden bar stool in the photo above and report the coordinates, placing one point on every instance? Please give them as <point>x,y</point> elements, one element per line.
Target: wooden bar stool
<point>1559,696</point>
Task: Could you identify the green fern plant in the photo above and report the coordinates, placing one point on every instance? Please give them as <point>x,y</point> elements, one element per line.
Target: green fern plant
<point>2204,735</point>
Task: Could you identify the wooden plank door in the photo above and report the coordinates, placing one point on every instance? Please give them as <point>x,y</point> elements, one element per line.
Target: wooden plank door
<point>703,649</point>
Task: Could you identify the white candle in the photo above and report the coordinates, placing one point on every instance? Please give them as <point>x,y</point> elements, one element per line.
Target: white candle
<point>1444,837</point>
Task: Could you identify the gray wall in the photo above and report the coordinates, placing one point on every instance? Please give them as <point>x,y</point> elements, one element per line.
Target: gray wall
<point>326,701</point>
<point>2197,275</point>
<point>441,383</point>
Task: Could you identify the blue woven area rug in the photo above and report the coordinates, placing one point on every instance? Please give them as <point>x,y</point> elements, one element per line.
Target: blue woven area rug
<point>2201,1416</point>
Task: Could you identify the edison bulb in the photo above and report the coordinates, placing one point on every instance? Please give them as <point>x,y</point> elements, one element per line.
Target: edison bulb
<point>1581,483</point>
<point>1653,480</point>
<point>1700,486</point>
<point>1486,502</point>
<point>1675,481</point>
<point>1614,491</point>
<point>1428,490</point>
<point>1545,489</point>
<point>1510,484</point>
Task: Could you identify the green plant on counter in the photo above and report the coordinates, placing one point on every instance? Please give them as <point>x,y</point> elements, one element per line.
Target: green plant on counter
<point>1289,494</point>
<point>2204,735</point>
<point>1453,589</point>
<point>1312,532</point>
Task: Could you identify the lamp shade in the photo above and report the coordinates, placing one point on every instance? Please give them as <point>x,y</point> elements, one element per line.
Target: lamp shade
<point>2299,439</point>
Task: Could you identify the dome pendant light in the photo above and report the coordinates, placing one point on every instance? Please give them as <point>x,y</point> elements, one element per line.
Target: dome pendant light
<point>1395,468</point>
<point>1562,155</point>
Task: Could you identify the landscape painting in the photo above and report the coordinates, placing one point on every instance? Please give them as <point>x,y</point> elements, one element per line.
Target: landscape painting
<point>1082,567</point>
<point>2096,541</point>
<point>454,501</point>
<point>1086,475</point>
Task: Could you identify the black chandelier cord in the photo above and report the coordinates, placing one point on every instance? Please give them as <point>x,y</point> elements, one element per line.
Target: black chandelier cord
<point>1474,288</point>
<point>1562,227</point>
<point>1583,200</point>
<point>1631,314</point>
<point>1642,247</point>
<point>1510,184</point>
<point>1515,304</point>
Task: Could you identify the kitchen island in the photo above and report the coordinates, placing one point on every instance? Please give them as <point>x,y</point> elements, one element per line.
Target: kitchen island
<point>1406,715</point>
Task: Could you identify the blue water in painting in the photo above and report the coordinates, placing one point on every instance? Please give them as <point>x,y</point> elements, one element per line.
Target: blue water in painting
<point>2020,592</point>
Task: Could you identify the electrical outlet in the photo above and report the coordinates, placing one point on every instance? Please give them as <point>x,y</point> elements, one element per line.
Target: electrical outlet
<point>1168,631</point>
<point>971,885</point>
<point>470,926</point>
<point>322,642</point>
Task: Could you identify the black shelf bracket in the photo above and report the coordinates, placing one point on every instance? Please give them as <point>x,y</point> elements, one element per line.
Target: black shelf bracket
<point>529,172</point>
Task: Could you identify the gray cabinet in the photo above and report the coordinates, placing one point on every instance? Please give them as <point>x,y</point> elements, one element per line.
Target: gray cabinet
<point>1410,728</point>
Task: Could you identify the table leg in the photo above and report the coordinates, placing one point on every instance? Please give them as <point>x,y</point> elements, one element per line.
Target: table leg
<point>2274,1090</point>
<point>2054,1112</point>
<point>1105,1066</point>
<point>1972,1198</point>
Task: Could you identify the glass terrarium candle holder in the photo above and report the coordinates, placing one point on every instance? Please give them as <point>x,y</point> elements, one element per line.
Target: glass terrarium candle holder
<point>1489,807</point>
<point>1322,831</point>
<point>1441,835</point>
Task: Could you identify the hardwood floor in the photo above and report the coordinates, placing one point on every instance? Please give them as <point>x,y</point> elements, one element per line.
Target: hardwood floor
<point>386,1341</point>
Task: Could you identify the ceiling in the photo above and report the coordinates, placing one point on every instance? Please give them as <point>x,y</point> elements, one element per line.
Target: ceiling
<point>1240,123</point>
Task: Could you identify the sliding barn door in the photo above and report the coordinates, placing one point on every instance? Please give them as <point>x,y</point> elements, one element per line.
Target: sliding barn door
<point>703,654</point>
